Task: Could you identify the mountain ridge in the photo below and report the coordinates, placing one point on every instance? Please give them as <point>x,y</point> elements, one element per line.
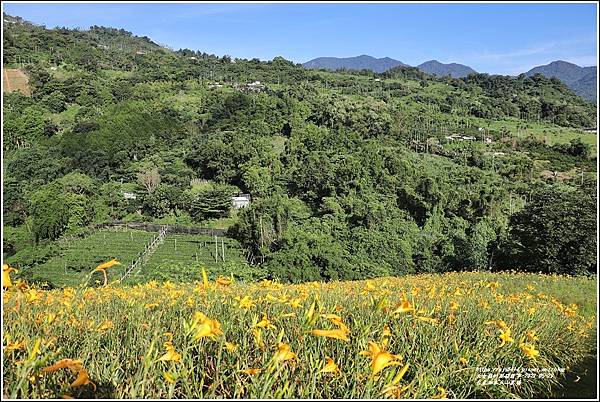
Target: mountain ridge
<point>581,80</point>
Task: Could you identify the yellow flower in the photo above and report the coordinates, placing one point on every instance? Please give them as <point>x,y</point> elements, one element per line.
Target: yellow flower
<point>245,302</point>
<point>369,286</point>
<point>380,359</point>
<point>453,305</point>
<point>106,325</point>
<point>209,328</point>
<point>428,319</point>
<point>265,323</point>
<point>499,323</point>
<point>295,303</point>
<point>205,327</point>
<point>330,366</point>
<point>15,346</point>
<point>6,270</point>
<point>463,361</point>
<point>284,353</point>
<point>531,310</point>
<point>505,336</point>
<point>251,371</point>
<point>76,366</point>
<point>531,335</point>
<point>224,281</point>
<point>405,307</point>
<point>269,297</point>
<point>171,355</point>
<point>33,296</point>
<point>441,395</point>
<point>230,346</point>
<point>107,265</point>
<point>331,333</point>
<point>529,350</point>
<point>83,378</point>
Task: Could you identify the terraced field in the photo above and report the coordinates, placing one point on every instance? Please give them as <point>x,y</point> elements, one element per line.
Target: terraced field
<point>178,257</point>
<point>77,258</point>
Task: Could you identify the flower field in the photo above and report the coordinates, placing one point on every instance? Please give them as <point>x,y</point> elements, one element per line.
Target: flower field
<point>421,336</point>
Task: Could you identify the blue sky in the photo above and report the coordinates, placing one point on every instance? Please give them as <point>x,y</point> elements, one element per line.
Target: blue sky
<point>492,38</point>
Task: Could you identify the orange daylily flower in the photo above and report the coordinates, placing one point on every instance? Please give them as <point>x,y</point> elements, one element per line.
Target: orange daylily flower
<point>529,350</point>
<point>441,395</point>
<point>224,281</point>
<point>246,302</point>
<point>107,265</point>
<point>405,307</point>
<point>330,366</point>
<point>171,354</point>
<point>205,327</point>
<point>230,346</point>
<point>331,333</point>
<point>284,353</point>
<point>505,336</point>
<point>251,371</point>
<point>531,335</point>
<point>6,270</point>
<point>380,359</point>
<point>76,366</point>
<point>265,323</point>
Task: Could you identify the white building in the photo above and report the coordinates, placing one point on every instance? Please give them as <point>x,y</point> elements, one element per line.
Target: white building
<point>240,201</point>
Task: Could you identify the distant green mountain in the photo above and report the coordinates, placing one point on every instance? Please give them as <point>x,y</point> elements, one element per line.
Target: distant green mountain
<point>455,70</point>
<point>362,62</point>
<point>581,80</point>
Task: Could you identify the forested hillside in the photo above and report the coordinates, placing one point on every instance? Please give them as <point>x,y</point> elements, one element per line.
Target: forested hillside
<point>352,174</point>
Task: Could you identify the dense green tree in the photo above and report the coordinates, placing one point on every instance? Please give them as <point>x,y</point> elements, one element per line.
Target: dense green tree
<point>556,232</point>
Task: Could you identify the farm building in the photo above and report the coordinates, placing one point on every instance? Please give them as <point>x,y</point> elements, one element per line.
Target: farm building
<point>240,201</point>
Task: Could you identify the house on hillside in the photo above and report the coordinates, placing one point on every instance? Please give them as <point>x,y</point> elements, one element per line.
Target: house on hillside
<point>240,201</point>
<point>255,86</point>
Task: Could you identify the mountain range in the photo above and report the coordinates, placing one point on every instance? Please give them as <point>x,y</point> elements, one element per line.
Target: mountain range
<point>362,62</point>
<point>581,80</point>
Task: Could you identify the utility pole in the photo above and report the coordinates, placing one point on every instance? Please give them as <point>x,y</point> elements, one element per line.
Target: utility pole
<point>223,249</point>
